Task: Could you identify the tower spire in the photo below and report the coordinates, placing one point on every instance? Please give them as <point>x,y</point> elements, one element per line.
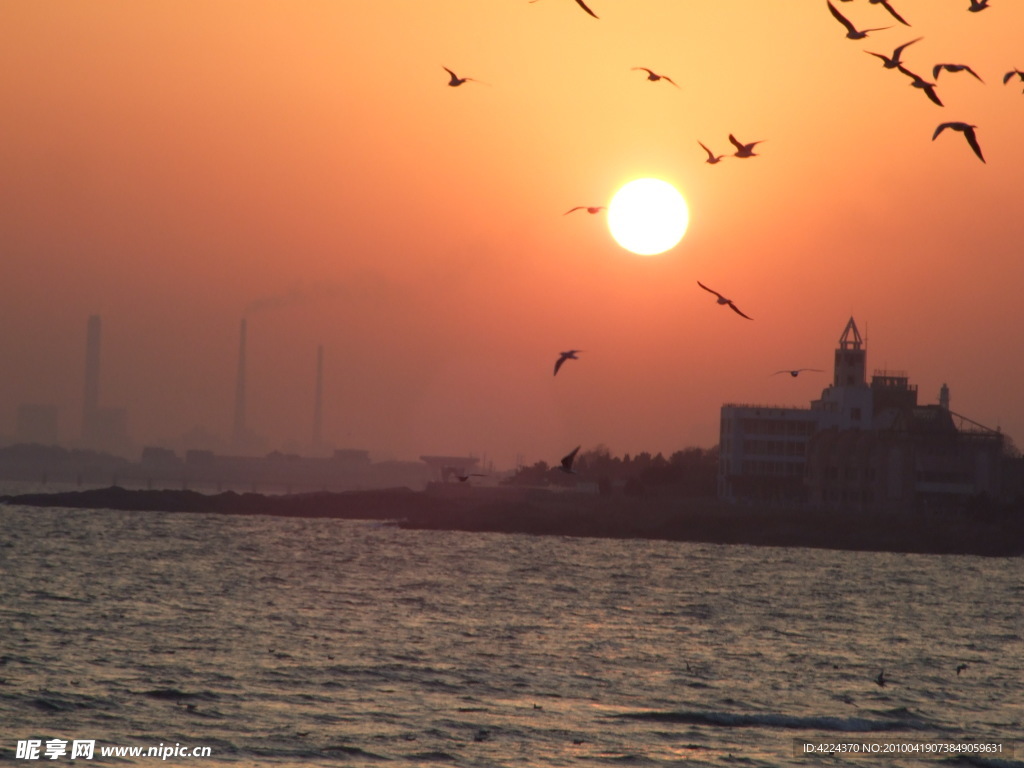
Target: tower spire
<point>851,336</point>
<point>851,358</point>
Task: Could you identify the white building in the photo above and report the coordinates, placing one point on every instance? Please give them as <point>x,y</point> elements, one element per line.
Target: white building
<point>858,445</point>
<point>763,449</point>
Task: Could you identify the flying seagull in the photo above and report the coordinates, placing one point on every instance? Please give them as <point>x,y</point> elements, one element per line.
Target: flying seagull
<point>894,61</point>
<point>743,150</point>
<point>723,300</point>
<point>920,82</point>
<point>978,5</point>
<point>582,5</point>
<point>1009,76</point>
<point>796,371</point>
<point>587,208</point>
<point>712,157</point>
<point>967,131</point>
<point>570,355</point>
<point>456,80</point>
<point>655,77</point>
<point>851,31</point>
<point>568,460</point>
<point>953,68</point>
<point>890,9</point>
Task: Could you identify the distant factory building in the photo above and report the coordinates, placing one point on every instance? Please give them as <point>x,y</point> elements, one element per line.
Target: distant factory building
<point>861,446</point>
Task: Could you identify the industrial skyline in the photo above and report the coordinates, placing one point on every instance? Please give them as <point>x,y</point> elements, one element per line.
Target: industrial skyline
<point>104,427</point>
<point>107,428</point>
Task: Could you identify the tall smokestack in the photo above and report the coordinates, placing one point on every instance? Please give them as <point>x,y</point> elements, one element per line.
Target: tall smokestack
<point>318,400</point>
<point>92,377</point>
<point>238,432</point>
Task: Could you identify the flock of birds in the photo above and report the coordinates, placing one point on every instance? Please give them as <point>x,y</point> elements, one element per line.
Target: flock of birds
<point>916,81</point>
<point>746,149</point>
<point>894,61</point>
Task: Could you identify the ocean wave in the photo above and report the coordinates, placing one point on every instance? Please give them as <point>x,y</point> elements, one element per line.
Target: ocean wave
<point>777,720</point>
<point>431,757</point>
<point>173,694</point>
<point>52,701</point>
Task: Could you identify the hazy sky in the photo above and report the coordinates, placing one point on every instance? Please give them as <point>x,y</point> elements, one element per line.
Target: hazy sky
<point>174,166</point>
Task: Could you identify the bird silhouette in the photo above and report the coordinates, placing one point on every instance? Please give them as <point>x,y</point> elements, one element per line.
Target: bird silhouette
<point>712,157</point>
<point>566,465</point>
<point>890,9</point>
<point>968,132</point>
<point>569,355</point>
<point>880,680</point>
<point>743,150</point>
<point>893,61</point>
<point>794,372</point>
<point>655,77</point>
<point>851,31</point>
<point>920,82</point>
<point>456,80</point>
<point>1009,76</point>
<point>587,208</point>
<point>954,68</point>
<point>723,300</point>
<point>978,5</point>
<point>464,478</point>
<point>960,668</point>
<point>582,5</point>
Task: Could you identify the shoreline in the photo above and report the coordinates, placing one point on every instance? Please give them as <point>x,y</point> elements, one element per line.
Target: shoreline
<point>547,513</point>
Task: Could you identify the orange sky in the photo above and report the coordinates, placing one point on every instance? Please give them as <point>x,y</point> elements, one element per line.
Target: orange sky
<point>174,166</point>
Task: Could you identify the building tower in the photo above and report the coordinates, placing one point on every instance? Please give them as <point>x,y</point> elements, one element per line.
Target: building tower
<point>238,432</point>
<point>92,378</point>
<point>851,358</point>
<point>944,398</point>
<point>318,404</point>
<point>848,402</point>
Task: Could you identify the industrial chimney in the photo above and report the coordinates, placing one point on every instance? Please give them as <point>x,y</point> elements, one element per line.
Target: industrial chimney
<point>318,401</point>
<point>92,378</point>
<point>238,431</point>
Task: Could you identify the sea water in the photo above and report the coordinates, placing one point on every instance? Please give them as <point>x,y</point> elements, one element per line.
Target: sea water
<point>270,641</point>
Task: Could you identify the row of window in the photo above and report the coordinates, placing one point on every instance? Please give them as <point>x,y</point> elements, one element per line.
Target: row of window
<point>775,447</point>
<point>751,426</point>
<point>784,468</point>
<point>850,474</point>
<point>849,495</point>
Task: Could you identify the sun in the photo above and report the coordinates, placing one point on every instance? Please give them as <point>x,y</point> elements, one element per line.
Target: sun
<point>648,216</point>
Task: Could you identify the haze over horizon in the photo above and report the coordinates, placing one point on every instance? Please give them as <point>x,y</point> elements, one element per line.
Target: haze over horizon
<point>177,166</point>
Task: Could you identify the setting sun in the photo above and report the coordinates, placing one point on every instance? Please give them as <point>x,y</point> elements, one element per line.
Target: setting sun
<point>648,216</point>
